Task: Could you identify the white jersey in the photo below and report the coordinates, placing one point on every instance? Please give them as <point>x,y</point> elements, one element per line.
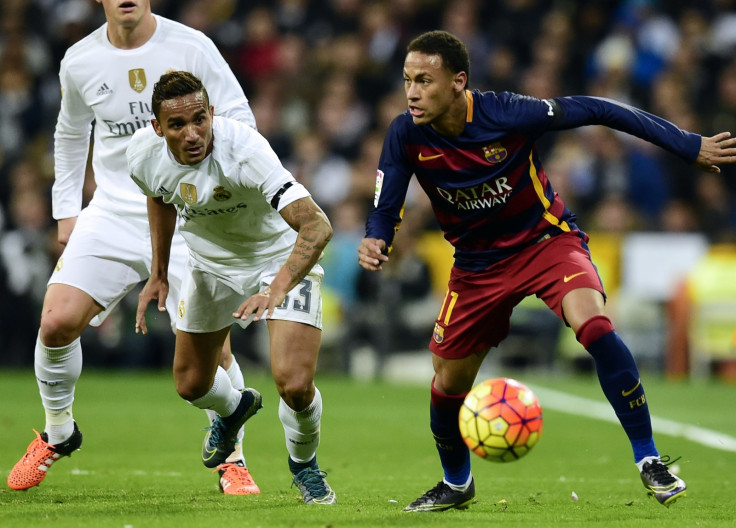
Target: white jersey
<point>228,203</point>
<point>113,88</point>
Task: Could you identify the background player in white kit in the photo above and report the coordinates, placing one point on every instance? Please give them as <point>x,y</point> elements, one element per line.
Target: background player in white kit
<point>108,78</point>
<point>255,236</point>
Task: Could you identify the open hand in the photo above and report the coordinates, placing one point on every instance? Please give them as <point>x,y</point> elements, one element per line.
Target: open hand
<point>263,302</point>
<point>716,150</point>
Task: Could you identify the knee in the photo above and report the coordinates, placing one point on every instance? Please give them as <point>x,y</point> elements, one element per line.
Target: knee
<point>58,329</point>
<point>296,391</point>
<point>190,385</point>
<point>593,329</point>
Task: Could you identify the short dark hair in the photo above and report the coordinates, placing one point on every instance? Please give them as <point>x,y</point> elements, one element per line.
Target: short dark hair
<point>176,84</point>
<point>451,49</point>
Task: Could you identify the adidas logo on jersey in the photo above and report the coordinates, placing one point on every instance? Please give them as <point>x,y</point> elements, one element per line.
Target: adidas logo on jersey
<point>163,190</point>
<point>104,90</point>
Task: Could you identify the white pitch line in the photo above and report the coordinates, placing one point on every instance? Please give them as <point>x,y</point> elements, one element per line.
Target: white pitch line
<point>568,403</point>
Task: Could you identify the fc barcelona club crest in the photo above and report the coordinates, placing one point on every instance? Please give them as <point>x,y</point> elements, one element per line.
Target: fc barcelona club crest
<point>439,333</point>
<point>137,79</point>
<point>495,153</point>
<point>188,193</point>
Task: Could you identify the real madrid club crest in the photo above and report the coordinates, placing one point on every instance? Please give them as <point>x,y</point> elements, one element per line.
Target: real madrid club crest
<point>180,310</point>
<point>495,153</point>
<point>221,194</point>
<point>188,193</point>
<point>137,79</point>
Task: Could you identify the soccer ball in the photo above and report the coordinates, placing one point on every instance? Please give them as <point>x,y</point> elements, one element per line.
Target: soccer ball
<point>500,420</point>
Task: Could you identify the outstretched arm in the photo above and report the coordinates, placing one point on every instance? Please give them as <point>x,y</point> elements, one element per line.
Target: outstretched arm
<point>162,219</point>
<point>314,231</point>
<point>716,150</point>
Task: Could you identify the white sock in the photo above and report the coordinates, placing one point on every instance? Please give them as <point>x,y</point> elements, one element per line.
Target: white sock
<point>236,378</point>
<point>236,375</point>
<point>463,487</point>
<point>57,371</point>
<point>221,398</point>
<point>301,429</point>
<point>644,460</point>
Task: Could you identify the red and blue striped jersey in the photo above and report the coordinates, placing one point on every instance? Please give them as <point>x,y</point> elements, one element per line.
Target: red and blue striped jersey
<point>487,186</point>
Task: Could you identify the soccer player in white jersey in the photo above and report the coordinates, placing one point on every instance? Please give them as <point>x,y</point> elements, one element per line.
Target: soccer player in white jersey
<point>255,236</point>
<point>108,78</point>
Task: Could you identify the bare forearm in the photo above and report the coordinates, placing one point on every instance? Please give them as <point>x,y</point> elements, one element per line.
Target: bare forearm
<point>314,232</point>
<point>162,221</point>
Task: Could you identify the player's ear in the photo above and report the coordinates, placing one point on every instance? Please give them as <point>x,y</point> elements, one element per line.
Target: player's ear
<point>212,111</point>
<point>157,127</point>
<point>460,81</point>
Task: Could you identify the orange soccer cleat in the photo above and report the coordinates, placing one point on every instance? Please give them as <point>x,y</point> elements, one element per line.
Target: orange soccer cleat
<point>235,479</point>
<point>30,470</point>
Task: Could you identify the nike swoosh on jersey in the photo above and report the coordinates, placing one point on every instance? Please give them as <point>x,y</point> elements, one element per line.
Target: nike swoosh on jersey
<point>427,158</point>
<point>626,393</point>
<point>568,278</point>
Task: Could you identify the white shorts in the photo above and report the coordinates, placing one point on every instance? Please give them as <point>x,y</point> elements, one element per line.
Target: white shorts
<point>207,303</point>
<point>108,255</point>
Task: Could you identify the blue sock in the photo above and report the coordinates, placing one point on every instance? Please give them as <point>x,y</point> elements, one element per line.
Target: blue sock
<point>619,379</point>
<point>296,467</point>
<point>454,453</point>
<point>644,448</point>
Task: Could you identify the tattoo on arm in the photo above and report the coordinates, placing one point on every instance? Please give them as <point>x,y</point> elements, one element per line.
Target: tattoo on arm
<point>314,232</point>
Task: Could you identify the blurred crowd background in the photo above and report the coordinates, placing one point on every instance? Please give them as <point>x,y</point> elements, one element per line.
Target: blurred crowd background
<point>324,79</point>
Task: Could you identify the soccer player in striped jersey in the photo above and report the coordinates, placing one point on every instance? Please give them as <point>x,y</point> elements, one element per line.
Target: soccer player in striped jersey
<point>107,78</point>
<point>474,155</point>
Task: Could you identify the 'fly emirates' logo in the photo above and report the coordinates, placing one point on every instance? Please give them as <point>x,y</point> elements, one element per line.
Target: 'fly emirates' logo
<point>483,196</point>
<point>187,212</point>
<point>140,117</point>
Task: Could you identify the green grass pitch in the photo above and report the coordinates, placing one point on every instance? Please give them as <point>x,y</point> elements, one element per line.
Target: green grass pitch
<point>139,465</point>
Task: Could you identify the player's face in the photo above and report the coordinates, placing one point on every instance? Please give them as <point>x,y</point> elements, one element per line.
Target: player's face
<point>432,91</point>
<point>125,12</point>
<point>186,124</point>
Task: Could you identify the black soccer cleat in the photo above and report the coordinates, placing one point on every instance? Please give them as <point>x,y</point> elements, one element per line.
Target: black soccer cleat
<point>222,435</point>
<point>442,497</point>
<point>314,487</point>
<point>660,482</point>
